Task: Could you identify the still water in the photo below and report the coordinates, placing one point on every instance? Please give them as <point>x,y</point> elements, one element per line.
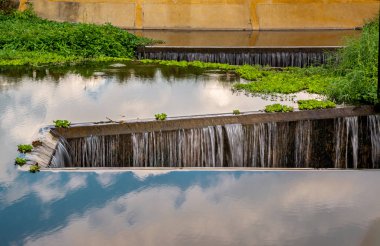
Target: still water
<point>161,207</point>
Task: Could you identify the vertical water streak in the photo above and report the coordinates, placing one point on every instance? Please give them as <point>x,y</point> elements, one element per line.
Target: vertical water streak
<point>236,143</point>
<point>352,130</point>
<point>61,156</point>
<point>303,144</point>
<point>374,128</point>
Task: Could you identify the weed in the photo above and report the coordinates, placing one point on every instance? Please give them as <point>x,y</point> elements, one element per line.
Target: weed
<point>161,116</point>
<point>315,104</point>
<point>236,112</point>
<point>62,123</point>
<point>24,148</point>
<point>278,108</point>
<point>20,161</point>
<point>34,168</point>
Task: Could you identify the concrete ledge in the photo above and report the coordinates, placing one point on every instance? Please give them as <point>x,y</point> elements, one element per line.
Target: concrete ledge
<point>102,129</point>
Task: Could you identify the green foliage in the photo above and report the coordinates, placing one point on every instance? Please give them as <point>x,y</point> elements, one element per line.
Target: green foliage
<point>278,108</point>
<point>34,168</point>
<point>315,104</point>
<point>24,148</point>
<point>161,116</point>
<point>358,68</point>
<point>236,112</point>
<point>20,161</point>
<point>252,73</point>
<point>62,123</point>
<point>197,64</point>
<point>43,41</point>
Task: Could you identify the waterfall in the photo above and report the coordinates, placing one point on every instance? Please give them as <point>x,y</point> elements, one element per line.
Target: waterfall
<point>274,58</point>
<point>303,143</point>
<point>347,141</point>
<point>374,127</point>
<point>351,142</point>
<point>62,155</point>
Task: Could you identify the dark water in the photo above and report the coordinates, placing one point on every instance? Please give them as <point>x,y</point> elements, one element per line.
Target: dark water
<point>163,208</point>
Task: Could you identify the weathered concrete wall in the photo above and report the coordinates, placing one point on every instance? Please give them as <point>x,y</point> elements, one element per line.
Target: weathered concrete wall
<point>212,14</point>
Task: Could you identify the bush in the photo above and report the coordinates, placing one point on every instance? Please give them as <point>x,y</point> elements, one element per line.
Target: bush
<point>315,104</point>
<point>278,108</point>
<point>358,68</point>
<point>27,33</point>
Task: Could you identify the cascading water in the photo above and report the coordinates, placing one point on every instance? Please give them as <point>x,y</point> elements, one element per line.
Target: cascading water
<point>374,127</point>
<point>351,142</point>
<point>61,155</point>
<point>268,58</point>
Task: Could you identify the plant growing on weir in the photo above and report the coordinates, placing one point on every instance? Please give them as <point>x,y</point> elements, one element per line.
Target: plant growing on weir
<point>236,112</point>
<point>34,168</point>
<point>315,104</point>
<point>278,108</point>
<point>20,161</point>
<point>62,123</point>
<point>24,148</point>
<point>161,116</point>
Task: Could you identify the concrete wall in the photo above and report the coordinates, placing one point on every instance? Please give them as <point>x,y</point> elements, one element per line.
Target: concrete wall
<point>212,14</point>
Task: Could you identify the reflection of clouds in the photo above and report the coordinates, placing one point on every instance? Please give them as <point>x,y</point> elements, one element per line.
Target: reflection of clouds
<point>48,188</point>
<point>262,209</point>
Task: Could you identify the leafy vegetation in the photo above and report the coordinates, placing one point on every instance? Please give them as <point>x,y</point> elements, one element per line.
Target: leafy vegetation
<point>197,64</point>
<point>20,161</point>
<point>236,112</point>
<point>315,104</point>
<point>24,148</point>
<point>62,123</point>
<point>34,168</point>
<point>358,68</point>
<point>28,39</point>
<point>278,108</point>
<point>352,79</point>
<point>161,116</point>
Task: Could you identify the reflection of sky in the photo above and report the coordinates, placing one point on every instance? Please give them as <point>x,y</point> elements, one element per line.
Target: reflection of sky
<point>176,208</point>
<point>193,208</point>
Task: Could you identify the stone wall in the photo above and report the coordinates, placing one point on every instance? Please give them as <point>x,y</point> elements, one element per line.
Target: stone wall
<point>212,14</point>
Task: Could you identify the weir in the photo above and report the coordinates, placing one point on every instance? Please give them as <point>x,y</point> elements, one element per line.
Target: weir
<point>265,56</point>
<point>334,138</point>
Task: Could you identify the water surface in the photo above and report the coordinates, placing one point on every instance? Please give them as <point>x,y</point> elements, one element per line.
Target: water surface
<point>163,208</point>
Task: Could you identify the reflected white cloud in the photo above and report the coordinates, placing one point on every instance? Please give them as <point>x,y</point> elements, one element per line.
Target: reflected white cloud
<point>250,210</point>
<point>49,188</point>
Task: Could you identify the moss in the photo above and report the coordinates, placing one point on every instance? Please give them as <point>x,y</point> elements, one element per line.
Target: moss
<point>24,148</point>
<point>161,116</point>
<point>62,123</point>
<point>20,161</point>
<point>34,168</point>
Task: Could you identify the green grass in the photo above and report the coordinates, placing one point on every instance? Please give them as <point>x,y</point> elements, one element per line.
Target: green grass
<point>315,104</point>
<point>26,39</point>
<point>278,108</point>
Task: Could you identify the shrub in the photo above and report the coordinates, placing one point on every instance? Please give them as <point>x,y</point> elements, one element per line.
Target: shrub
<point>315,104</point>
<point>278,108</point>
<point>62,123</point>
<point>24,148</point>
<point>161,116</point>
<point>20,161</point>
